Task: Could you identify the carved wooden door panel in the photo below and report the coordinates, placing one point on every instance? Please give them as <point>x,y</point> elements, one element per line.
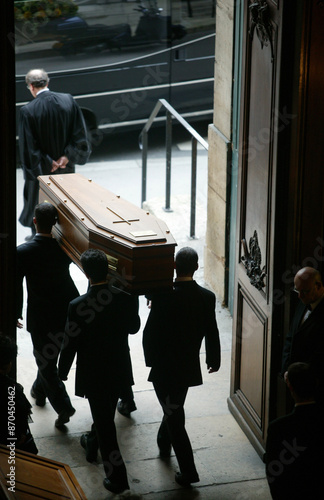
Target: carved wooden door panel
<point>256,206</point>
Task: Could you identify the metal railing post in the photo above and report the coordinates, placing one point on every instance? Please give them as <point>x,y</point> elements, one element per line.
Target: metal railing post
<point>144,165</point>
<point>193,187</point>
<point>195,137</point>
<point>168,146</point>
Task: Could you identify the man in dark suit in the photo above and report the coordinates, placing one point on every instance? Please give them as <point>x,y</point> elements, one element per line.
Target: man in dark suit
<point>97,330</point>
<point>15,409</point>
<point>305,340</point>
<point>177,323</point>
<point>52,138</point>
<point>50,288</point>
<point>295,442</point>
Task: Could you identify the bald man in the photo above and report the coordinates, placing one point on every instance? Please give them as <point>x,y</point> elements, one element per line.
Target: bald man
<point>305,340</point>
<point>52,138</point>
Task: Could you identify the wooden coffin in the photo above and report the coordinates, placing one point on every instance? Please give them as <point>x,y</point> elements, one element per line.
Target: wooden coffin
<point>25,476</point>
<point>140,247</point>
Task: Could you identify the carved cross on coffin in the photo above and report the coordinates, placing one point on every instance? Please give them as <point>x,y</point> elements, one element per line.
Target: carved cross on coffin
<point>121,219</point>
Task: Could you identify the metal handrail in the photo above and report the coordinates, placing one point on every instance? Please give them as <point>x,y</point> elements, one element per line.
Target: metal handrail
<point>195,137</point>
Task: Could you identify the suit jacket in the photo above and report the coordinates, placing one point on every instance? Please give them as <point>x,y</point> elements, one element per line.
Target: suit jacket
<point>172,337</point>
<point>294,454</point>
<point>97,331</point>
<point>305,342</point>
<point>51,125</point>
<point>50,287</point>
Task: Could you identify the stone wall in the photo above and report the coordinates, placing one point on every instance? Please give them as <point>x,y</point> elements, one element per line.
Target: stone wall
<point>219,138</point>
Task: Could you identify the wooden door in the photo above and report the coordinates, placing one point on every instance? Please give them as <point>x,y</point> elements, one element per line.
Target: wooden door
<point>280,215</point>
<point>252,319</point>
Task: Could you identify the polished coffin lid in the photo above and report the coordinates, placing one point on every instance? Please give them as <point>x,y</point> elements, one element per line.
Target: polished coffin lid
<point>139,246</point>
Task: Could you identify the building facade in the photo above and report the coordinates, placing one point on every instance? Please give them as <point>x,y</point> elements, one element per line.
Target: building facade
<point>265,191</point>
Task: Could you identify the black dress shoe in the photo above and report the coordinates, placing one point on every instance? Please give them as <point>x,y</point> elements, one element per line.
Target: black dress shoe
<point>185,480</point>
<point>126,407</point>
<point>64,417</point>
<point>115,487</point>
<point>91,455</point>
<point>39,400</point>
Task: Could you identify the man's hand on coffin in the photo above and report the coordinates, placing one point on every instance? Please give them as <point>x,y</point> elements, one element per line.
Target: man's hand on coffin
<point>19,323</point>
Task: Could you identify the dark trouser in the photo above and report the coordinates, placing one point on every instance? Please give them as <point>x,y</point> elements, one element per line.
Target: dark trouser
<point>48,384</point>
<point>172,429</point>
<point>103,409</point>
<point>29,443</point>
<point>127,394</point>
<point>92,445</point>
<point>31,194</point>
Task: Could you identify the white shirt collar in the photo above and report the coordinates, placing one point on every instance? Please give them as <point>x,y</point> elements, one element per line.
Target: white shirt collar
<point>42,90</point>
<point>46,235</point>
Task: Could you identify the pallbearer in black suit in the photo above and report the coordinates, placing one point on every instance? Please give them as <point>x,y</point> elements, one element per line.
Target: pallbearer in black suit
<point>97,331</point>
<point>177,323</point>
<point>50,289</point>
<point>52,138</point>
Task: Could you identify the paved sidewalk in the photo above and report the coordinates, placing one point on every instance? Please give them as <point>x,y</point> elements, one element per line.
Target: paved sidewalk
<point>228,465</point>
